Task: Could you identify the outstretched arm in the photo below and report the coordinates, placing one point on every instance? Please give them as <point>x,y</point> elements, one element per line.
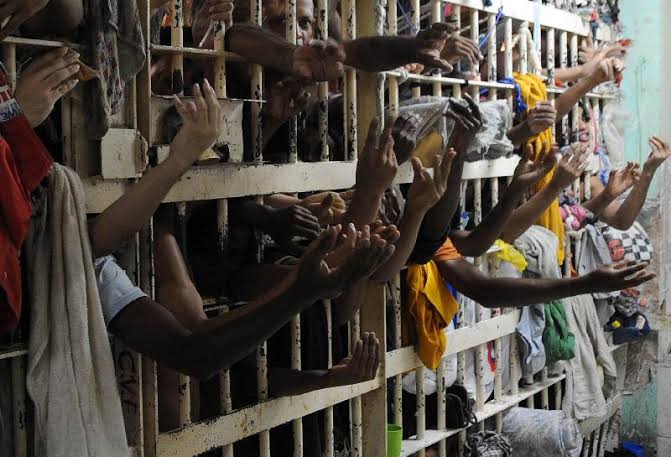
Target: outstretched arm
<point>623,216</point>
<point>476,242</point>
<point>217,343</point>
<point>513,292</point>
<point>568,169</point>
<point>126,216</point>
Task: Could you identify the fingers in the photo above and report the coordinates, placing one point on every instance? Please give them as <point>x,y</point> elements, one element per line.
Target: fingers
<point>45,64</point>
<point>639,278</point>
<point>632,268</point>
<point>324,208</point>
<point>14,23</point>
<point>201,107</point>
<point>372,137</point>
<point>528,152</point>
<point>387,145</point>
<point>212,105</point>
<point>446,165</point>
<point>358,362</point>
<point>372,348</point>
<point>322,245</point>
<point>417,168</point>
<point>185,112</point>
<point>63,89</point>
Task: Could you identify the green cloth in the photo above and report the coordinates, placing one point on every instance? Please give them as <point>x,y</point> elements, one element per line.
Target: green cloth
<point>558,340</point>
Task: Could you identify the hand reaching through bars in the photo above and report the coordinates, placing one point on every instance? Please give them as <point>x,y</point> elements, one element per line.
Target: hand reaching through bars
<point>361,366</point>
<point>326,270</point>
<point>570,167</point>
<point>318,61</point>
<point>377,166</point>
<point>284,224</point>
<point>212,11</point>
<point>528,171</point>
<point>608,69</point>
<point>44,82</point>
<point>13,13</point>
<point>287,98</point>
<point>620,181</point>
<point>328,207</point>
<point>541,118</point>
<point>660,151</point>
<point>425,190</point>
<point>458,48</point>
<point>429,44</point>
<point>201,123</point>
<point>590,53</point>
<point>619,276</point>
<point>468,122</point>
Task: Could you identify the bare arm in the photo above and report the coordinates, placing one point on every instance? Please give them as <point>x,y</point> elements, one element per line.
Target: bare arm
<point>150,329</point>
<point>568,169</point>
<point>607,70</point>
<point>513,292</point>
<point>126,216</point>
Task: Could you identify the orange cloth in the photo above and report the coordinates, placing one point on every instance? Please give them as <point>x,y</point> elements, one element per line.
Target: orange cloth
<point>432,306</point>
<point>447,252</point>
<point>533,91</point>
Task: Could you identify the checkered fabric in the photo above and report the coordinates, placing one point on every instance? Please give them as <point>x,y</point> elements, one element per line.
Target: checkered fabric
<point>630,245</point>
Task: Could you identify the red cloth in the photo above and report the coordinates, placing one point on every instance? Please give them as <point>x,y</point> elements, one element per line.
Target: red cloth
<point>24,162</point>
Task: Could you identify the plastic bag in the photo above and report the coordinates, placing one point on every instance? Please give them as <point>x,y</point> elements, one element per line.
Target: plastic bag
<point>613,120</point>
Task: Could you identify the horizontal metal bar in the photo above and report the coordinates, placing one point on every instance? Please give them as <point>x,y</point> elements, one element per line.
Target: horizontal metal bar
<point>204,436</point>
<point>551,17</point>
<point>18,41</point>
<point>194,53</point>
<point>492,408</point>
<point>238,180</point>
<point>13,351</point>
<point>406,359</point>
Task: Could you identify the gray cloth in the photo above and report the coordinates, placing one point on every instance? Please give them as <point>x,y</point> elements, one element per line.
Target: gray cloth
<point>594,253</point>
<point>541,433</point>
<point>117,50</point>
<point>70,374</point>
<point>584,395</point>
<point>539,246</point>
<point>491,142</point>
<point>115,288</point>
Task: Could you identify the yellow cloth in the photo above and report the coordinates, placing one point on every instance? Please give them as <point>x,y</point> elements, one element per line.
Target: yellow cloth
<point>432,307</point>
<point>534,91</point>
<point>508,253</point>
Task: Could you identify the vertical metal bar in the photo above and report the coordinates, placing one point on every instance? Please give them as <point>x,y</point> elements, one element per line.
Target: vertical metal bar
<point>421,406</point>
<point>348,15</point>
<point>415,18</point>
<point>563,63</point>
<point>329,450</point>
<point>149,371</point>
<point>256,90</point>
<point>558,396</point>
<point>183,381</point>
<point>480,351</point>
<point>491,54</point>
<point>355,404</point>
<point>398,381</point>
<point>323,87</point>
<point>550,57</point>
<point>220,62</point>
<point>523,45</point>
<point>19,409</point>
<point>225,399</point>
<point>575,121</point>
<point>177,40</point>
<point>456,88</point>
<point>291,36</point>
<point>567,259</point>
<point>9,61</point>
<point>475,36</point>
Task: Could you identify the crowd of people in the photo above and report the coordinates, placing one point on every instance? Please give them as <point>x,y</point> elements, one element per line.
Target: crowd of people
<point>325,245</point>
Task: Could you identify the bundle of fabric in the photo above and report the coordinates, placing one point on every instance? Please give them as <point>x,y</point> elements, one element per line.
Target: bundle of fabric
<point>430,130</point>
<point>488,444</point>
<point>558,340</point>
<point>70,374</point>
<point>541,433</point>
<point>431,307</point>
<point>585,397</point>
<point>539,246</point>
<point>118,54</point>
<point>534,91</point>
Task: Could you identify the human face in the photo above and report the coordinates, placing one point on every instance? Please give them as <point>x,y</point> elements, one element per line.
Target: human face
<point>275,18</point>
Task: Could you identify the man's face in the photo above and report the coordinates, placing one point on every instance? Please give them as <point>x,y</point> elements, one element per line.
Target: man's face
<point>274,18</point>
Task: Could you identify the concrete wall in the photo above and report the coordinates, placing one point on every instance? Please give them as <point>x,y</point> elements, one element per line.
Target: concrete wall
<point>647,414</point>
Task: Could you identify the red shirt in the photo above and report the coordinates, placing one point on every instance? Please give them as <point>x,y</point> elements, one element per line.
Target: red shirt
<point>24,162</point>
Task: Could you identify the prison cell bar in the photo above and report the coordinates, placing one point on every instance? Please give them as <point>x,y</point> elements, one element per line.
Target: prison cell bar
<point>349,19</point>
<point>563,64</point>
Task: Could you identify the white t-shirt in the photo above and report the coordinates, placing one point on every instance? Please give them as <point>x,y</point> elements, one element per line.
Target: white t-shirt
<point>115,288</point>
